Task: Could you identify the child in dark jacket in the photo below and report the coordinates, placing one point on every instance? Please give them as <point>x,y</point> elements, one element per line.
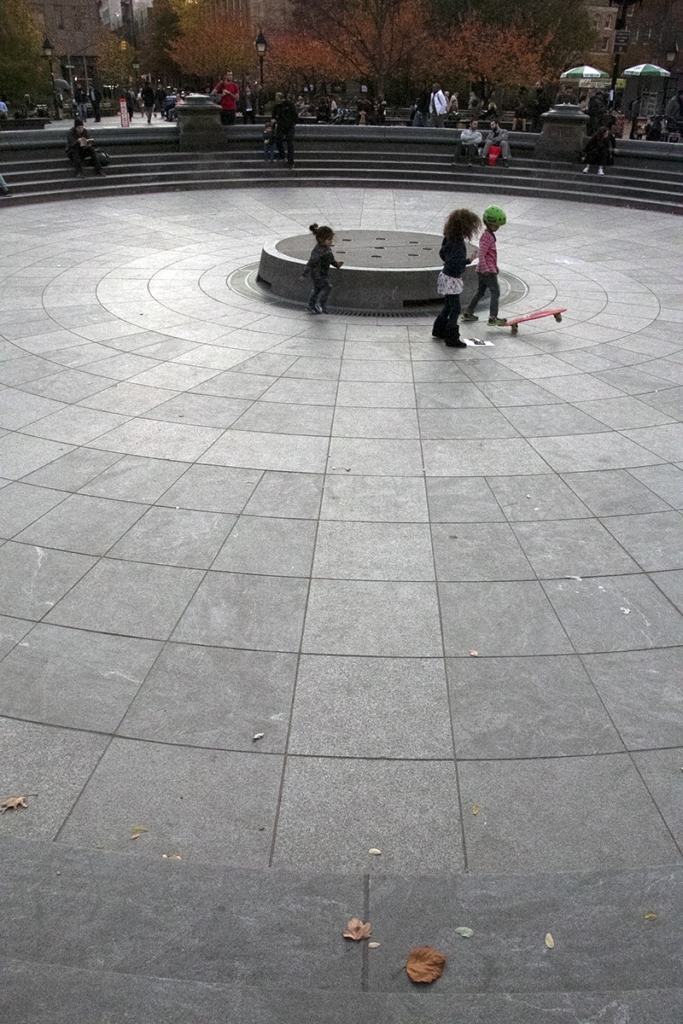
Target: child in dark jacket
<point>269,141</point>
<point>318,266</point>
<point>461,225</point>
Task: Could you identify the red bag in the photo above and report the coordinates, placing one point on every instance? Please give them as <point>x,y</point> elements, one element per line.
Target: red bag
<point>494,153</point>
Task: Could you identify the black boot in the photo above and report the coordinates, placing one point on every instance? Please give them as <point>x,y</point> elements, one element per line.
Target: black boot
<point>439,329</point>
<point>453,337</point>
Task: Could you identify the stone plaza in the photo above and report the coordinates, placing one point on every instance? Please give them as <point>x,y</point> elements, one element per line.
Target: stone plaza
<point>444,587</point>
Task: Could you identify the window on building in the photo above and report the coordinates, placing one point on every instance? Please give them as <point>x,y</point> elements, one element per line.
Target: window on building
<point>59,17</point>
<point>596,21</point>
<point>608,24</point>
<point>605,43</point>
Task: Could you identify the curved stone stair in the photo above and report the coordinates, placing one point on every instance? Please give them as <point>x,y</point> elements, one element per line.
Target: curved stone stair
<point>152,162</point>
<point>106,938</point>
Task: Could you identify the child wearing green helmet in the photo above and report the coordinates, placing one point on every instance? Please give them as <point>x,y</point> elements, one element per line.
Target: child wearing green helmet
<point>487,270</point>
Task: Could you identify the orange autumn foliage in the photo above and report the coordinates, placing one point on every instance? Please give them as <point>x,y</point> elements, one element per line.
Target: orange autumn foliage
<point>294,56</point>
<point>488,53</point>
<point>211,43</point>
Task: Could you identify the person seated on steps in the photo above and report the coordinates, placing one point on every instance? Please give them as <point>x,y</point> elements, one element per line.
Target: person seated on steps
<point>80,147</point>
<point>497,136</point>
<point>470,142</point>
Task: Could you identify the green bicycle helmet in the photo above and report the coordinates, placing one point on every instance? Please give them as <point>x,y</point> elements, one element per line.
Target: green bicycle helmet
<point>495,216</point>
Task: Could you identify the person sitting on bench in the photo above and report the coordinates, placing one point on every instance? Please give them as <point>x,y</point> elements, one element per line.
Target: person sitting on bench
<point>80,147</point>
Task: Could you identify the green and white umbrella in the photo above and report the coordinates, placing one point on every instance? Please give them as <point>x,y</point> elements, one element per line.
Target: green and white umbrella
<point>585,71</point>
<point>646,69</point>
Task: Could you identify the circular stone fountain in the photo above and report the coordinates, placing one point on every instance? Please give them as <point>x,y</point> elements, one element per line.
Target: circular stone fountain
<point>384,271</point>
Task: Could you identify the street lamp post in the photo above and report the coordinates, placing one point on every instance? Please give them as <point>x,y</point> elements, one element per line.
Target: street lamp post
<point>48,52</point>
<point>136,67</point>
<point>261,47</point>
<point>671,57</point>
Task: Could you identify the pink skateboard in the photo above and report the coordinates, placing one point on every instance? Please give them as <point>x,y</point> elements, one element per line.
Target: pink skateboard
<point>557,313</point>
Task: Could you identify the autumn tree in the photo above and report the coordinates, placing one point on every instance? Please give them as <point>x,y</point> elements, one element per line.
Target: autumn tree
<point>22,69</point>
<point>211,42</point>
<point>162,29</point>
<point>114,64</point>
<point>295,59</point>
<point>378,40</point>
<point>493,56</point>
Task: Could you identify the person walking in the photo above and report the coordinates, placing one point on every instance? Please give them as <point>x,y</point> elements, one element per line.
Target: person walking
<point>487,269</point>
<point>81,99</point>
<point>674,112</point>
<point>421,118</point>
<point>598,150</point>
<point>438,105</point>
<point>159,99</point>
<point>96,99</point>
<point>318,267</point>
<point>147,94</point>
<point>247,106</point>
<point>461,225</point>
<point>286,118</point>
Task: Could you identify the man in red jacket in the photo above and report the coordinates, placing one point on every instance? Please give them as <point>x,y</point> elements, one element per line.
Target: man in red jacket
<point>229,92</point>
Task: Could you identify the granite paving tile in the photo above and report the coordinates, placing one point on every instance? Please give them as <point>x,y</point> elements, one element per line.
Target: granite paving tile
<point>12,630</point>
<point>212,489</point>
<point>214,697</point>
<point>20,455</point>
<point>159,440</point>
<point>666,481</point>
<point>579,812</point>
<point>268,546</point>
<point>641,691</point>
<point>481,457</point>
<point>254,450</point>
<point>655,539</point>
<point>499,619</point>
<point>536,498</point>
<point>661,770</point>
<point>462,500</point>
<point>526,708</point>
<point>585,452</point>
<point>619,613</point>
<point>374,707</point>
<point>135,478</point>
<point>175,537</point>
<point>239,794</point>
<point>21,504</point>
<point>478,551</point>
<point>334,810</point>
<point>83,524</point>
<point>263,613</point>
<point>292,495</point>
<point>33,579</point>
<point>580,547</point>
<point>72,471</point>
<point>50,767</point>
<point>74,678</point>
<point>383,499</point>
<point>282,418</point>
<point>614,492</point>
<point>385,619</point>
<point>129,598</point>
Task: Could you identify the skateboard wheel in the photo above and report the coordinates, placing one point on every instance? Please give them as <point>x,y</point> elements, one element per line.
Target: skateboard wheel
<point>558,317</point>
<point>514,328</point>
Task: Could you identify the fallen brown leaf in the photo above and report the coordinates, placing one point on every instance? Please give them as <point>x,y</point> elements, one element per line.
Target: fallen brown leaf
<point>375,852</point>
<point>475,809</point>
<point>651,916</point>
<point>257,736</point>
<point>13,803</point>
<point>549,941</point>
<point>425,964</point>
<point>474,654</point>
<point>374,945</point>
<point>356,930</point>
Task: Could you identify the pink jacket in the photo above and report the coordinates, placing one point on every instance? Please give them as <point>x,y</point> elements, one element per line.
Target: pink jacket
<point>488,254</point>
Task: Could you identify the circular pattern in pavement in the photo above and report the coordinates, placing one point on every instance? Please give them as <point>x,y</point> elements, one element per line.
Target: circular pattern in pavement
<point>435,580</point>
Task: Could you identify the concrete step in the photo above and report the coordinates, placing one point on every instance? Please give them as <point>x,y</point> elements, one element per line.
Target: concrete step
<point>93,936</point>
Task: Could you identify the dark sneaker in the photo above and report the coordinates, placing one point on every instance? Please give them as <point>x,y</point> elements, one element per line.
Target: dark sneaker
<point>496,321</point>
<point>455,343</point>
<point>469,318</point>
<point>313,309</point>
